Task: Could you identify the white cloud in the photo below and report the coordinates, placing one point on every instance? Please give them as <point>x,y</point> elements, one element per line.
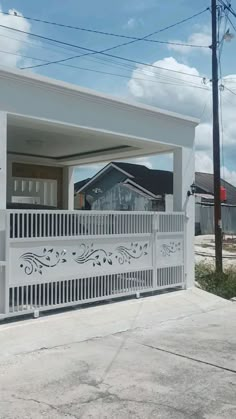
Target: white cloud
<point>202,37</point>
<point>228,175</point>
<point>133,23</point>
<point>203,162</point>
<point>172,91</point>
<point>160,87</point>
<point>144,161</point>
<point>11,41</point>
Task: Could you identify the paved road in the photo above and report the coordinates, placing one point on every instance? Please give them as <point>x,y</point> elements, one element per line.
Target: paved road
<point>168,356</point>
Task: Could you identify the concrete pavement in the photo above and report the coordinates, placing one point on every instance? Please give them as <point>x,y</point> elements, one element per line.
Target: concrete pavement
<point>168,356</point>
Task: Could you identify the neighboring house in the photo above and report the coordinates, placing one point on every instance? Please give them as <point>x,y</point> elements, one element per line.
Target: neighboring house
<point>79,199</point>
<point>134,187</point>
<point>205,188</point>
<point>204,208</point>
<point>127,187</point>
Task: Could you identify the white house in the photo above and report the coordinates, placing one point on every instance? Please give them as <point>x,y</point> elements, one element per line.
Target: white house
<point>52,256</point>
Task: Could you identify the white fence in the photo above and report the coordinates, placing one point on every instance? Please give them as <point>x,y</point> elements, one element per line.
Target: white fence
<point>206,219</point>
<point>53,259</point>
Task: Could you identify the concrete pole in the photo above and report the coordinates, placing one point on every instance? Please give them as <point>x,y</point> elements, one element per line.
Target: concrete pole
<point>3,160</point>
<point>184,174</point>
<point>68,188</point>
<point>3,205</point>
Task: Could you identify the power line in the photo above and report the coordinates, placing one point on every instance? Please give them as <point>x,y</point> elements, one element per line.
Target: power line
<point>37,45</point>
<point>206,103</point>
<point>120,58</point>
<point>90,51</point>
<point>228,6</point>
<point>21,55</point>
<point>114,62</point>
<point>229,90</point>
<point>125,66</point>
<point>112,74</point>
<point>107,33</point>
<point>103,60</point>
<point>233,26</point>
<point>96,52</point>
<point>104,51</point>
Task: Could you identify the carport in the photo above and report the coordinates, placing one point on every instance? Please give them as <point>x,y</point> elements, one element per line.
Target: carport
<point>47,128</point>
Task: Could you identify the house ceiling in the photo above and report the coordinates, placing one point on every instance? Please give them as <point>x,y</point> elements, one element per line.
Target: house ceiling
<point>68,144</point>
<point>54,141</point>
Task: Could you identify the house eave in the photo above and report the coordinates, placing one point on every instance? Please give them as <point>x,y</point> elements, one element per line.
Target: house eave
<point>138,187</point>
<point>71,89</point>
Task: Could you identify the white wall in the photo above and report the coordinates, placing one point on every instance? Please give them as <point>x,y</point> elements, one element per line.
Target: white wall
<point>184,173</point>
<point>68,188</point>
<point>53,102</point>
<point>3,160</point>
<point>169,203</point>
<point>3,198</point>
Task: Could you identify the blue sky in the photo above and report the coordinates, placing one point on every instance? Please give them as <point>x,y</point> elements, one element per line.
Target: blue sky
<point>133,18</point>
<point>148,15</point>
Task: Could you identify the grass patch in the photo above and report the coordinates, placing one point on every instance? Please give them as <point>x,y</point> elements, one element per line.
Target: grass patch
<point>229,247</point>
<point>223,285</point>
<point>206,246</point>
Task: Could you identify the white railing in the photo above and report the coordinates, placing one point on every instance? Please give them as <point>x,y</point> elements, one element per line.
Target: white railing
<point>60,258</point>
<point>39,224</point>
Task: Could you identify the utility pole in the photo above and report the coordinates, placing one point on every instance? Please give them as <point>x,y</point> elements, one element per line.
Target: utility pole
<point>216,140</point>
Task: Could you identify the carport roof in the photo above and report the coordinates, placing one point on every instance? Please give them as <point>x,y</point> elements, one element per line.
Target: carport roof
<point>30,77</point>
<point>50,121</point>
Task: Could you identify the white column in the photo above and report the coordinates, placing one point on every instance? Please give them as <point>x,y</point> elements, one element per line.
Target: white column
<point>3,203</point>
<point>3,160</point>
<point>68,188</point>
<point>169,203</point>
<point>184,174</point>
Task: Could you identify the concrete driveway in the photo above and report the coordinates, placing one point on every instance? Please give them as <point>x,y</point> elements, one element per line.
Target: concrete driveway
<point>168,356</point>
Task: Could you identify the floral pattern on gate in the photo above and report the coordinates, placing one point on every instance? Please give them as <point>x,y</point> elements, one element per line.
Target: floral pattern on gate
<point>35,262</point>
<point>87,253</point>
<point>168,249</point>
<point>123,254</point>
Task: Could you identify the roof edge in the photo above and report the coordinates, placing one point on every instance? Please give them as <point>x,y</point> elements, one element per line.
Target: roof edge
<point>30,77</point>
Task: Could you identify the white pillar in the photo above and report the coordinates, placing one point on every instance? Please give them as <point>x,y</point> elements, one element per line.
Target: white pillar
<point>3,204</point>
<point>3,160</point>
<point>169,203</point>
<point>184,174</point>
<point>68,188</point>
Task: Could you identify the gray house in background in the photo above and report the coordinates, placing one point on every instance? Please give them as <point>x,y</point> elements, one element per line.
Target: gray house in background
<point>134,187</point>
<point>125,186</point>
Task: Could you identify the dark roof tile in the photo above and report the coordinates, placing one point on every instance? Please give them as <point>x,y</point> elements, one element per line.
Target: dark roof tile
<point>160,182</point>
<point>81,183</point>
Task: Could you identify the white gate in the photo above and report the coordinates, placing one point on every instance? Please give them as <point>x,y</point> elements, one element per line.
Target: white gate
<point>61,258</point>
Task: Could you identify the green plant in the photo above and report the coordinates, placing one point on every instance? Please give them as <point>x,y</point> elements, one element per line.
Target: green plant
<point>223,285</point>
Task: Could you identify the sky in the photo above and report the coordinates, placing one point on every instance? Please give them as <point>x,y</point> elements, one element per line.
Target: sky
<point>177,92</point>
